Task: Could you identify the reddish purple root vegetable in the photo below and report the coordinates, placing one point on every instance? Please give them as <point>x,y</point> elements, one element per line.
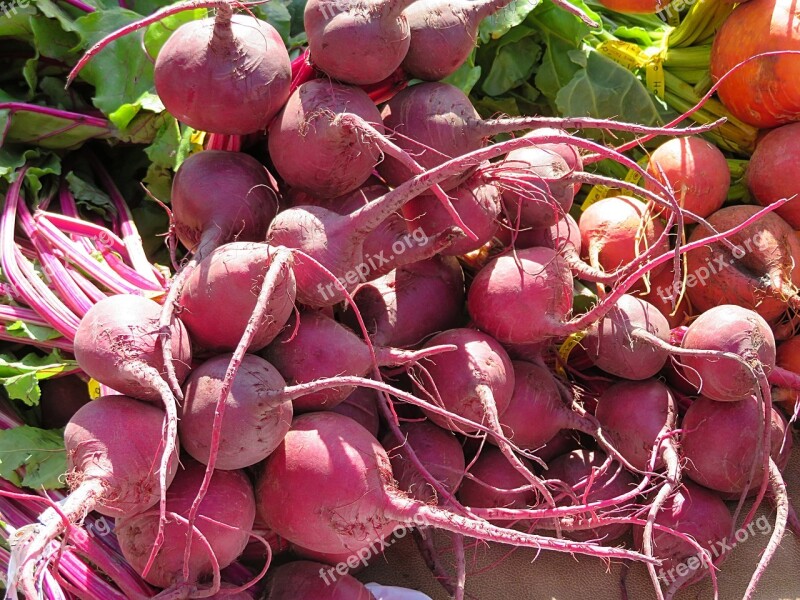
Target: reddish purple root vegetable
<point>695,511</point>
<point>536,412</point>
<point>510,288</point>
<point>437,449</point>
<point>117,344</point>
<point>220,197</point>
<point>254,424</point>
<point>357,41</point>
<point>736,330</point>
<point>529,201</point>
<point>614,231</point>
<point>231,276</point>
<point>307,139</point>
<point>633,414</point>
<point>477,202</point>
<point>443,35</point>
<point>225,521</point>
<point>612,342</point>
<point>473,381</point>
<point>410,303</point>
<point>580,470</point>
<point>492,482</point>
<point>320,347</point>
<point>110,471</point>
<point>229,74</point>
<point>759,274</point>
<point>720,442</point>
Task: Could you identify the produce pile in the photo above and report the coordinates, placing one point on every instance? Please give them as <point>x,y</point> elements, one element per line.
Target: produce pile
<point>283,280</point>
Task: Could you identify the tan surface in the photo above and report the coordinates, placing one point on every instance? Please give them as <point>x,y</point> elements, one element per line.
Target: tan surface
<point>554,576</point>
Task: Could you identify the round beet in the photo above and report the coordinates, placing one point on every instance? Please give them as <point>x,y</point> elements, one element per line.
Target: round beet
<point>612,345</point>
<point>727,328</point>
<point>720,443</point>
<point>696,512</point>
<point>437,449</point>
<point>522,298</point>
<point>579,467</point>
<point>530,201</point>
<point>232,276</point>
<point>695,169</point>
<point>315,153</point>
<point>615,230</point>
<point>632,414</point>
<point>229,74</point>
<point>475,378</point>
<point>115,440</point>
<point>254,423</point>
<point>490,482</point>
<point>410,303</point>
<point>218,197</point>
<point>118,339</point>
<point>416,115</point>
<point>357,41</point>
<point>477,203</point>
<point>225,519</point>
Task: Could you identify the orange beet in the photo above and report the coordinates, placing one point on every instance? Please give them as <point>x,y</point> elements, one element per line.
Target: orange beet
<point>766,91</point>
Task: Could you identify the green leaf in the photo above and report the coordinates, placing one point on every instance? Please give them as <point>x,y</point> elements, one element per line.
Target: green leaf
<point>296,9</point>
<point>43,164</point>
<point>143,7</point>
<point>28,331</point>
<point>513,65</point>
<point>489,106</point>
<point>561,32</point>
<point>467,75</point>
<point>606,90</point>
<point>54,11</point>
<point>40,452</point>
<point>121,73</point>
<point>20,377</point>
<point>89,196</point>
<point>48,131</point>
<point>276,13</point>
<point>496,25</point>
<point>164,149</point>
<point>106,4</point>
<point>126,113</point>
<point>52,41</point>
<point>157,34</point>
<point>15,19</point>
<point>159,181</point>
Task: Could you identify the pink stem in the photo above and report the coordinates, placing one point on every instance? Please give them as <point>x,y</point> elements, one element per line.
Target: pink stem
<point>21,277</point>
<point>85,229</point>
<point>130,235</point>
